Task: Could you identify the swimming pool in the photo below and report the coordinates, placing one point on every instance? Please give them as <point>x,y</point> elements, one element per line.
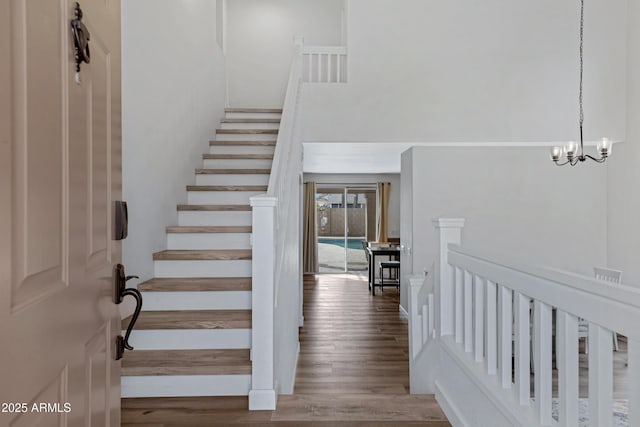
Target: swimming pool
<point>352,243</point>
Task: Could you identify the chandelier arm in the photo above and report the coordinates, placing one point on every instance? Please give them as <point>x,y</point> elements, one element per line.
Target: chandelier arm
<point>560,164</point>
<point>599,160</point>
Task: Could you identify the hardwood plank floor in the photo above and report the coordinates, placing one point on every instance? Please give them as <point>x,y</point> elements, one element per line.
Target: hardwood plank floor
<point>353,371</point>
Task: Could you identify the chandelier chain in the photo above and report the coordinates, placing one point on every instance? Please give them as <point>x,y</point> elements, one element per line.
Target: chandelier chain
<point>581,60</point>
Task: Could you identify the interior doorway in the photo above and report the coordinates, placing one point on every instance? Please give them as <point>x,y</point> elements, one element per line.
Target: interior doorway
<point>346,217</point>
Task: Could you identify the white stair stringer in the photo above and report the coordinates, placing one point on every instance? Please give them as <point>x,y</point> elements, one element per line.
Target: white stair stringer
<point>210,281</point>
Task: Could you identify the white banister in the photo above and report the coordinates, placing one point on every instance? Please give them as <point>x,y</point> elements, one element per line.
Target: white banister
<point>328,61</point>
<point>494,313</point>
<point>275,262</point>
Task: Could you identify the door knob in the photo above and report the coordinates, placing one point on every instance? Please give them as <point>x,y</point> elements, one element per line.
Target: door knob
<point>122,291</point>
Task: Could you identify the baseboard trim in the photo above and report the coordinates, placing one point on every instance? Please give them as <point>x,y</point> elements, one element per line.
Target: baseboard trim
<point>449,408</point>
<point>262,400</point>
<point>404,313</point>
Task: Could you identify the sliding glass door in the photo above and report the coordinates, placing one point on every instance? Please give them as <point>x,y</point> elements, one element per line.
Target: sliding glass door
<point>346,218</point>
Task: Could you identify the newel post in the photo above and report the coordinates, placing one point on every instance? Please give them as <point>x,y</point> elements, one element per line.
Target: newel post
<point>449,232</point>
<point>262,395</point>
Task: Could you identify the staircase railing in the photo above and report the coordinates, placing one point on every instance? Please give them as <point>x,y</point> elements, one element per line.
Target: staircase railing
<point>501,325</point>
<point>324,64</point>
<point>276,272</point>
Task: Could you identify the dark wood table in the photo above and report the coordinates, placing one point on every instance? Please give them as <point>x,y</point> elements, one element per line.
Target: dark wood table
<point>393,251</point>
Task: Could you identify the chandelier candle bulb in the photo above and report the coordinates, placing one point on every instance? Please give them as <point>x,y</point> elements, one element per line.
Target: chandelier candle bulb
<point>571,149</point>
<point>556,152</point>
<point>604,147</point>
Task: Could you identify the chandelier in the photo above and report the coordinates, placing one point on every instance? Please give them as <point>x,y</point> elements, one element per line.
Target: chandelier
<point>572,150</point>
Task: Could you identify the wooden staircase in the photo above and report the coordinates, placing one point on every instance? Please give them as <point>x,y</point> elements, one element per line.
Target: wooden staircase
<point>193,337</point>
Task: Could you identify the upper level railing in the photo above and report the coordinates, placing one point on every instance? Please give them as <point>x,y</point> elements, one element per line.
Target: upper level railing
<point>500,322</point>
<point>324,64</point>
<point>276,248</point>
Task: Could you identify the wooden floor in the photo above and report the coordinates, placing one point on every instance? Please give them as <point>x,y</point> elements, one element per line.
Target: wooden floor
<point>353,370</point>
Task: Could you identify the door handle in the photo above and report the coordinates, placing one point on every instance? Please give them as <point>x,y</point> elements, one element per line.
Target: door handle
<point>121,291</point>
<point>81,37</point>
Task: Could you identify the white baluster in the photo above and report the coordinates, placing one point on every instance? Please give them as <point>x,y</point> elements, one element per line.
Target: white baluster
<point>310,67</point>
<point>459,312</point>
<point>432,309</point>
<point>522,348</point>
<point>425,323</point>
<point>491,329</point>
<point>600,376</point>
<point>319,68</point>
<point>567,363</point>
<point>468,312</point>
<point>415,320</point>
<point>542,356</point>
<point>338,68</point>
<point>506,319</point>
<point>633,355</point>
<point>329,67</point>
<point>478,322</point>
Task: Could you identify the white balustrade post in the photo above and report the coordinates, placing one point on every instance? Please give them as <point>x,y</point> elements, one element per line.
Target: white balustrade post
<point>262,395</point>
<point>450,230</point>
<point>415,323</point>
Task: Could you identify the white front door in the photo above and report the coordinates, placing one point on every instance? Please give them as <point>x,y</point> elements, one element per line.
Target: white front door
<point>59,176</point>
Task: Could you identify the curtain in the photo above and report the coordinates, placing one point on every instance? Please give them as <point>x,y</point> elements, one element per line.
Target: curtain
<point>382,232</point>
<point>309,246</point>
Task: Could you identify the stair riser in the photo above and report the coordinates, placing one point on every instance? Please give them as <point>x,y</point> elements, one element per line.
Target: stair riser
<point>185,385</point>
<point>208,241</point>
<point>208,268</point>
<point>253,115</point>
<point>237,164</point>
<point>241,149</point>
<point>190,339</point>
<point>249,125</point>
<point>232,179</point>
<point>246,137</point>
<point>224,300</point>
<point>220,197</point>
<point>214,218</point>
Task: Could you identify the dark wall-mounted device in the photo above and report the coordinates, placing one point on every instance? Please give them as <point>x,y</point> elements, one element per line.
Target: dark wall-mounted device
<point>122,220</point>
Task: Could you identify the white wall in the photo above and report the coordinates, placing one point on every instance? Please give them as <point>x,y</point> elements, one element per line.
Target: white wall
<point>495,70</point>
<point>260,43</point>
<point>394,194</point>
<point>172,98</point>
<point>516,202</point>
<point>624,170</point>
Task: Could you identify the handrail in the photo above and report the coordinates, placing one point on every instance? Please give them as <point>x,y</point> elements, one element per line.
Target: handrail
<point>572,292</point>
<point>499,321</point>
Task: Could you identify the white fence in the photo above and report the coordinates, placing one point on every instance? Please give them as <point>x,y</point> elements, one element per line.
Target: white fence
<point>492,316</point>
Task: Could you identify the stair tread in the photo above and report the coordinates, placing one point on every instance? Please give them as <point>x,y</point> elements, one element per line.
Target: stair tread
<point>247,131</point>
<point>253,110</point>
<point>250,120</point>
<point>233,171</point>
<point>237,156</point>
<point>209,229</point>
<point>187,362</point>
<point>192,319</point>
<point>195,284</point>
<point>202,255</point>
<point>226,188</point>
<point>214,208</point>
<point>267,143</point>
